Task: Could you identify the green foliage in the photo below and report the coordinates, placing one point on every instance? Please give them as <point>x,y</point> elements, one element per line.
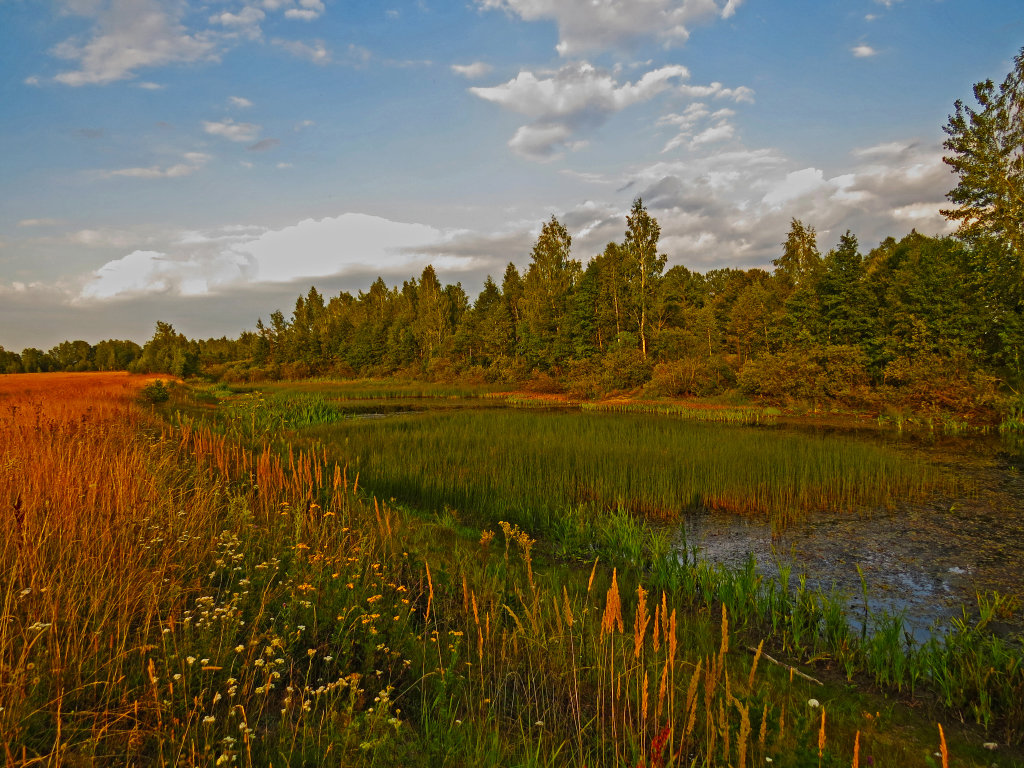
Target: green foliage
<point>986,148</point>
<point>168,352</point>
<point>155,392</point>
<point>832,372</point>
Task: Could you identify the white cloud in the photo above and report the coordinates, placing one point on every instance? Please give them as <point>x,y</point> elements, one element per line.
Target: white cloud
<point>129,35</point>
<point>308,10</point>
<point>103,238</point>
<point>732,207</point>
<point>246,22</point>
<point>199,263</point>
<point>863,51</point>
<point>794,185</point>
<point>314,248</point>
<point>143,272</point>
<point>148,86</point>
<point>229,129</point>
<point>715,133</point>
<point>577,97</point>
<point>714,126</point>
<point>192,162</point>
<point>316,51</point>
<point>472,71</point>
<point>587,25</point>
<point>32,80</point>
<point>240,102</point>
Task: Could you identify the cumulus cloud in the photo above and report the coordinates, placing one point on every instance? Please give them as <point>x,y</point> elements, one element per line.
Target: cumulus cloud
<point>473,71</point>
<point>229,129</point>
<point>587,25</point>
<point>308,10</point>
<point>863,51</point>
<point>156,272</point>
<point>199,263</point>
<point>578,97</point>
<point>732,207</point>
<point>240,102</point>
<point>191,162</point>
<point>128,35</point>
<point>246,22</point>
<point>794,185</point>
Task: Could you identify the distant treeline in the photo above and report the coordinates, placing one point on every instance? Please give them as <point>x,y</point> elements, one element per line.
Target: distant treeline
<point>923,322</point>
<point>110,355</point>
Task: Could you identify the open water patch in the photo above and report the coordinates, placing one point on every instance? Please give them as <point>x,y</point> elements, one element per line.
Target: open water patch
<point>925,562</point>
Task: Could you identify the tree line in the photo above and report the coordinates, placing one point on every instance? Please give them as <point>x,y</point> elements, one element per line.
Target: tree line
<point>915,321</point>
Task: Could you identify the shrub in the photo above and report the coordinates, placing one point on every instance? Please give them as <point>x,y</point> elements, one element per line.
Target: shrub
<point>155,392</point>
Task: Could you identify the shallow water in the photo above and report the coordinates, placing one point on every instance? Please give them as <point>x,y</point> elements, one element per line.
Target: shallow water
<point>926,561</point>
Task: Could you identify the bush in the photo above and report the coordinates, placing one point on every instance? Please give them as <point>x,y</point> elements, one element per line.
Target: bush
<point>155,392</point>
<point>690,375</point>
<point>624,368</point>
<point>836,372</point>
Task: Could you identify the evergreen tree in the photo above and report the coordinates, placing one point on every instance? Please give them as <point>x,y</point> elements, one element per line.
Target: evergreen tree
<point>547,289</point>
<point>847,306</point>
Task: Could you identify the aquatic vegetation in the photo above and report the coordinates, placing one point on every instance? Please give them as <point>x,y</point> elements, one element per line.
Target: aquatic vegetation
<point>534,468</point>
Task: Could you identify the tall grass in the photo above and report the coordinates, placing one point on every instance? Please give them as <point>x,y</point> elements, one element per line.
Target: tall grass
<point>536,468</point>
<point>749,415</point>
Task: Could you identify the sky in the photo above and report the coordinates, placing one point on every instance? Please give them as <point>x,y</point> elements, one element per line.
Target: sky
<point>205,162</point>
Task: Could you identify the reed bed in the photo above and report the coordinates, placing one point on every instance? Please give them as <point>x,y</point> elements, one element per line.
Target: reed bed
<point>536,468</point>
<point>746,415</point>
<point>171,597</point>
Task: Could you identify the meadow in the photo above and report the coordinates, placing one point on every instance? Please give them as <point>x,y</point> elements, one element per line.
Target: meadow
<point>183,585</point>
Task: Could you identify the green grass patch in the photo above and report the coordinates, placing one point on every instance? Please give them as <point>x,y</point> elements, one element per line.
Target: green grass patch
<point>534,468</point>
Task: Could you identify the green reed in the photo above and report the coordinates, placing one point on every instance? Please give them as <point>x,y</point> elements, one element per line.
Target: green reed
<point>532,467</point>
<point>733,415</point>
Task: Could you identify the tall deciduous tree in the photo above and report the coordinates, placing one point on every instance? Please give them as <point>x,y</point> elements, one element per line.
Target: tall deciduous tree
<point>642,265</point>
<point>800,261</point>
<point>986,148</point>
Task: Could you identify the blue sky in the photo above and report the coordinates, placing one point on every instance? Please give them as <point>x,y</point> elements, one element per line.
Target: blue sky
<point>204,162</point>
